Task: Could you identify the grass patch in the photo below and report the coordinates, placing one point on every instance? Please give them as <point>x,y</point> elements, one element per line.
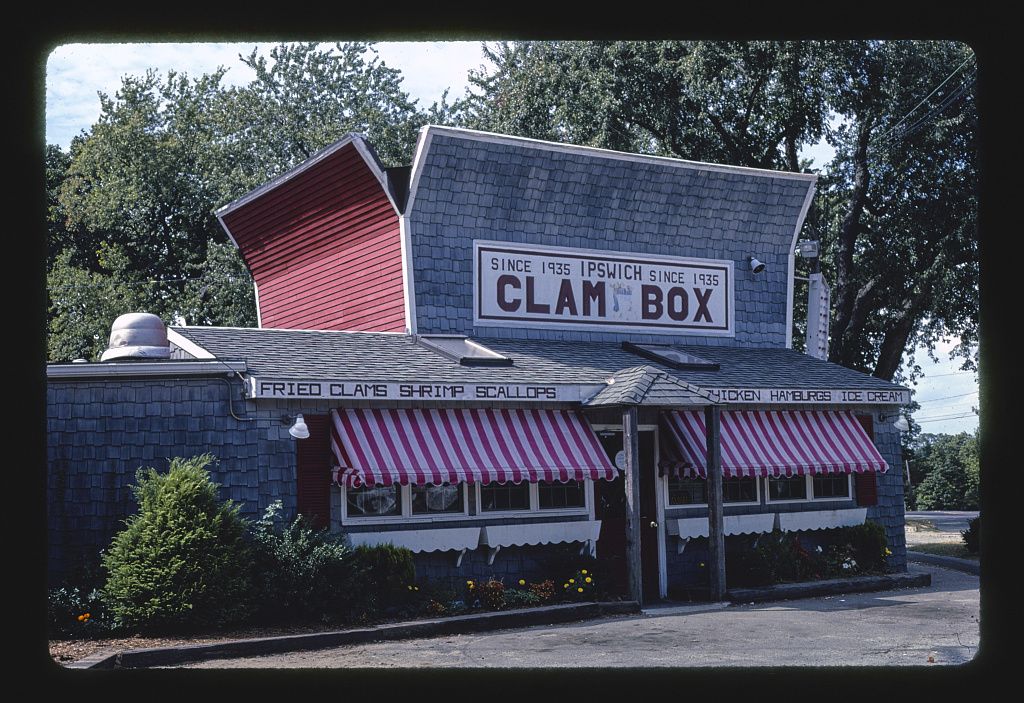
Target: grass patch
<point>944,549</point>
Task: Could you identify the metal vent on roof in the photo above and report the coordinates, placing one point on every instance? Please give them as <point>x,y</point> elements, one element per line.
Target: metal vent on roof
<point>671,356</point>
<point>137,335</point>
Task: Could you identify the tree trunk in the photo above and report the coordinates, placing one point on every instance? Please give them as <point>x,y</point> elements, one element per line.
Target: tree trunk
<point>846,290</point>
<point>894,344</point>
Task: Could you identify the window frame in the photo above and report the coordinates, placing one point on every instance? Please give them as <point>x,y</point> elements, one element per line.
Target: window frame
<point>683,506</point>
<point>809,488</point>
<point>406,514</point>
<point>534,509</point>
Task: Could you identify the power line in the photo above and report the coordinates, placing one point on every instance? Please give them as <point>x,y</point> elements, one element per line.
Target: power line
<point>948,78</point>
<point>948,397</point>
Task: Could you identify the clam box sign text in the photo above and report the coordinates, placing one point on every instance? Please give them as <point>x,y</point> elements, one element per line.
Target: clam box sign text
<point>555,287</point>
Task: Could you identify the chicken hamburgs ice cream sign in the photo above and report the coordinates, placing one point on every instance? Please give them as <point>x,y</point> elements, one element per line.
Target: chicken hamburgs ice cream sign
<point>537,286</point>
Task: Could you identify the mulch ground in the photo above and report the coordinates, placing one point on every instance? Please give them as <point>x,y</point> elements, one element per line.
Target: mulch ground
<point>68,651</point>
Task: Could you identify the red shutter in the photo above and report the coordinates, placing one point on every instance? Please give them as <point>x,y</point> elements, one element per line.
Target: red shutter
<point>865,485</point>
<point>313,471</point>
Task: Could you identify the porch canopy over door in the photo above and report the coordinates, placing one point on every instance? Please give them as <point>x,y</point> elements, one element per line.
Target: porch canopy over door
<point>771,443</point>
<point>409,446</point>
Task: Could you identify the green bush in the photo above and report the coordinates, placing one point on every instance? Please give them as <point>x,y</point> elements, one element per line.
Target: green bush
<point>180,563</point>
<point>972,535</point>
<point>387,572</point>
<point>867,544</point>
<point>301,573</point>
<point>779,557</point>
<point>74,613</point>
<point>75,609</point>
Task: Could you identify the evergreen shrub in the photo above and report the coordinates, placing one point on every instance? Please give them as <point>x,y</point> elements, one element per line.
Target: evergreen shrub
<point>180,563</point>
<point>386,572</point>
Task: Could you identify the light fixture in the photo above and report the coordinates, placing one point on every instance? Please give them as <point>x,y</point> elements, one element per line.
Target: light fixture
<point>299,429</point>
<point>901,423</point>
<point>755,265</point>
<point>808,248</point>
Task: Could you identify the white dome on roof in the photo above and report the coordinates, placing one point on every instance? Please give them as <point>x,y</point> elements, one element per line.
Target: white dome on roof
<point>137,335</point>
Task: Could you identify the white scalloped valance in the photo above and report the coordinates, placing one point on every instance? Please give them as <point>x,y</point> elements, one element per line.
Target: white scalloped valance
<point>732,524</point>
<point>821,519</point>
<point>540,533</point>
<point>430,539</point>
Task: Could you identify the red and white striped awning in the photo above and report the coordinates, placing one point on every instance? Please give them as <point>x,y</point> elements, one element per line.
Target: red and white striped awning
<point>386,446</point>
<point>776,443</point>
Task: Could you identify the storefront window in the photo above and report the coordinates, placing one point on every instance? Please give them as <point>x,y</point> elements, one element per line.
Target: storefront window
<point>374,501</point>
<point>686,491</point>
<point>505,496</point>
<point>427,500</point>
<point>784,488</point>
<point>817,487</point>
<point>831,486</point>
<point>561,495</point>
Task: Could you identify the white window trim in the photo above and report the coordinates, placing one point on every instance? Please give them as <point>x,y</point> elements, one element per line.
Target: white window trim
<point>811,498</point>
<point>407,515</point>
<point>535,510</point>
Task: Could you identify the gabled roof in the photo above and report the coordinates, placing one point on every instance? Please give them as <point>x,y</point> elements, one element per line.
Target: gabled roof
<point>647,385</point>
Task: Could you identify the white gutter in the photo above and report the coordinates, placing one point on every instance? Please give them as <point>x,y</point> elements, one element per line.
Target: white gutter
<point>124,369</point>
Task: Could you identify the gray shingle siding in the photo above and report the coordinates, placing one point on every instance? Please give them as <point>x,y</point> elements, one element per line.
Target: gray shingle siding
<point>472,188</point>
<point>100,432</point>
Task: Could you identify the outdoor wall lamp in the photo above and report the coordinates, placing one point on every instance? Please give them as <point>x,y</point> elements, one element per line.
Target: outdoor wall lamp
<point>299,429</point>
<point>901,423</point>
<point>755,265</point>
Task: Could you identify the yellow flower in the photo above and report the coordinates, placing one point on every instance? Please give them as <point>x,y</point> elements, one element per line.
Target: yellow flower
<point>588,579</point>
<point>522,582</point>
<point>584,571</point>
<point>565,586</point>
<point>572,581</point>
<point>580,590</point>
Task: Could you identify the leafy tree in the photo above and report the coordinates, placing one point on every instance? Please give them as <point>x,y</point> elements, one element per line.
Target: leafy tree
<point>743,103</point>
<point>895,211</point>
<point>898,206</point>
<point>83,304</point>
<point>180,562</point>
<point>305,98</point>
<point>945,472</point>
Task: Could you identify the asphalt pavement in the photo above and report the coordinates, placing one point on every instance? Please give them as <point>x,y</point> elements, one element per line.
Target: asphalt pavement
<point>927,626</point>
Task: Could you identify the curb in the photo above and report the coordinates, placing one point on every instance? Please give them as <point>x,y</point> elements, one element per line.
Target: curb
<point>526,617</point>
<point>965,565</point>
<point>860,584</point>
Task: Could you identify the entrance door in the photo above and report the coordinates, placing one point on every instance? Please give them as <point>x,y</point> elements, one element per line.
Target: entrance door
<point>610,509</point>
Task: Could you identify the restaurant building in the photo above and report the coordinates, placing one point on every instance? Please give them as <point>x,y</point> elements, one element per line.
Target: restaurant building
<point>508,348</point>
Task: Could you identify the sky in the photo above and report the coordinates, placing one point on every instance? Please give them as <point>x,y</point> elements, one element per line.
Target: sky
<point>76,73</point>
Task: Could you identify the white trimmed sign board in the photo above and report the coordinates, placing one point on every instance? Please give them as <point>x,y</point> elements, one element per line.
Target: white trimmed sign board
<point>538,286</point>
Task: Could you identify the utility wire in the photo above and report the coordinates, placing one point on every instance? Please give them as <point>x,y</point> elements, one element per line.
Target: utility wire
<point>948,78</point>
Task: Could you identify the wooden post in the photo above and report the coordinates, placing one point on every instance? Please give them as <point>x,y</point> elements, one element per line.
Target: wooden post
<point>716,520</point>
<point>631,448</point>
